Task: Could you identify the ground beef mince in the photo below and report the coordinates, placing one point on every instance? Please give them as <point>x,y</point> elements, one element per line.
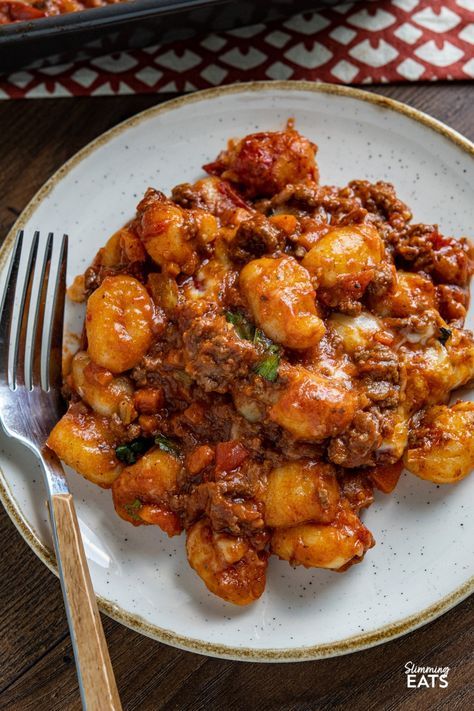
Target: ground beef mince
<point>214,355</point>
<point>379,370</point>
<point>355,447</point>
<point>422,248</point>
<point>254,238</point>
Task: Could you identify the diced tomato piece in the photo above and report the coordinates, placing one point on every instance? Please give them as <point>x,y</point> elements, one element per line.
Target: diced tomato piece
<point>230,455</point>
<point>438,240</point>
<point>159,516</point>
<point>386,476</point>
<point>20,11</point>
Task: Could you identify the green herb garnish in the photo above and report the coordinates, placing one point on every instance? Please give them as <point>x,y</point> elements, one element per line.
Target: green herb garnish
<point>167,445</point>
<point>133,509</point>
<point>444,334</point>
<point>244,328</point>
<point>128,453</point>
<point>268,367</point>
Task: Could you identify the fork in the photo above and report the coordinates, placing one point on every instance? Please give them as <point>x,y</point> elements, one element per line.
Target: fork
<point>31,333</point>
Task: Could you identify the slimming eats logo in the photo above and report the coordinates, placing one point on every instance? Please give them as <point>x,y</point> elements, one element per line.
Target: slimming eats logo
<point>426,677</point>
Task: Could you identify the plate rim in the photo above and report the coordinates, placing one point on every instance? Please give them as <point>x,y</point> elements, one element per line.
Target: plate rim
<point>134,621</point>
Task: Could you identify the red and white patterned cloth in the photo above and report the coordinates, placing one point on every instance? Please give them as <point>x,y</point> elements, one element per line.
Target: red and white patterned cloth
<point>388,41</point>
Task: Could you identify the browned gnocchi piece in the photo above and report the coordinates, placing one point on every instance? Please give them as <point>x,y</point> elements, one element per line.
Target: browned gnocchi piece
<point>314,407</point>
<point>442,444</point>
<point>119,323</point>
<point>434,369</point>
<point>344,252</point>
<point>282,301</point>
<point>85,442</point>
<point>104,393</point>
<point>264,163</point>
<point>413,293</point>
<point>142,491</point>
<point>123,247</point>
<point>335,545</point>
<point>228,565</point>
<point>172,235</point>
<point>301,491</point>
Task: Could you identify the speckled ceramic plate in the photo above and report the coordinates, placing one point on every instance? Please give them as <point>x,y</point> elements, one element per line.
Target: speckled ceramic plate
<point>422,563</point>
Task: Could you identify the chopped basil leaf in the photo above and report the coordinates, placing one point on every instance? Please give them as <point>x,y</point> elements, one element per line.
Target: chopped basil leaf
<point>133,509</point>
<point>268,367</point>
<point>444,334</point>
<point>244,328</point>
<point>128,453</point>
<point>124,454</point>
<point>140,445</point>
<point>167,445</point>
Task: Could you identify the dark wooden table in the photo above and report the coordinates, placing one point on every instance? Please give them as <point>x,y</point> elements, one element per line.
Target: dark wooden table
<point>36,663</point>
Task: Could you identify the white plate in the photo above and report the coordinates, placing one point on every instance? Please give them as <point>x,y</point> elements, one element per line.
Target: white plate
<point>422,563</point>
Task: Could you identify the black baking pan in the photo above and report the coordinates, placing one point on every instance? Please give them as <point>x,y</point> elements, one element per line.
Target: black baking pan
<point>134,24</point>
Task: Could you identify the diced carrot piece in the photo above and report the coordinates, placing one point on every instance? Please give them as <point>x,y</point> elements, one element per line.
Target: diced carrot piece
<point>96,374</point>
<point>287,223</point>
<point>149,400</point>
<point>195,413</point>
<point>150,424</point>
<point>199,458</point>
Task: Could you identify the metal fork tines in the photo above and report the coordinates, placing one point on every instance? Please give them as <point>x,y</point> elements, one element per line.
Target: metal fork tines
<point>31,333</point>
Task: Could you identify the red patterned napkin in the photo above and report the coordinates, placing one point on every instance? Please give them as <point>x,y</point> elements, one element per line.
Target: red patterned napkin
<point>392,41</point>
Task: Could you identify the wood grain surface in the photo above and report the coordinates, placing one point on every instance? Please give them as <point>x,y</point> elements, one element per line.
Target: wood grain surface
<point>36,663</point>
<point>99,688</point>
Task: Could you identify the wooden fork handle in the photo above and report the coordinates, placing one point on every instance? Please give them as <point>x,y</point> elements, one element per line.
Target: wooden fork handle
<point>96,676</point>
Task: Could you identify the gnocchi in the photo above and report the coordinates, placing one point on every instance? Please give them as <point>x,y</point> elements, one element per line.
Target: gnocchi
<point>106,394</point>
<point>344,252</point>
<point>282,301</point>
<point>413,293</point>
<point>299,492</point>
<point>228,565</point>
<point>172,235</point>
<point>442,449</point>
<point>84,441</point>
<point>142,492</point>
<point>313,407</point>
<point>334,546</point>
<point>119,323</point>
